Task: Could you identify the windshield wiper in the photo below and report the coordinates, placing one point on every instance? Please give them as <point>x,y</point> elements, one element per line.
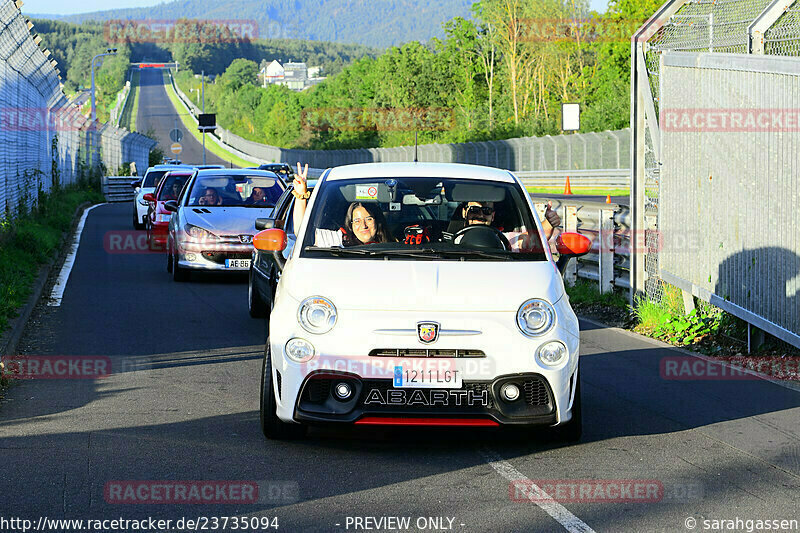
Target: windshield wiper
<point>477,253</point>
<point>336,250</point>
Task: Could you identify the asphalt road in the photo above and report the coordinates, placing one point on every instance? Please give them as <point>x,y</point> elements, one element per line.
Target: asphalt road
<point>182,404</point>
<point>157,112</point>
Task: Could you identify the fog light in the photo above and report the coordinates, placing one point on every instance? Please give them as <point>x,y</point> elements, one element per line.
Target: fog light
<point>190,257</point>
<point>510,392</point>
<point>299,350</point>
<point>552,353</point>
<point>343,390</point>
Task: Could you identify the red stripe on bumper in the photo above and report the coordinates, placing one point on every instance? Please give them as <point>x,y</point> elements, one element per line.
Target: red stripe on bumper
<point>396,421</point>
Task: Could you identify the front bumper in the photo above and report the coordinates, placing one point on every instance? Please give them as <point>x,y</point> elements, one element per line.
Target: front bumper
<point>377,398</point>
<point>212,256</point>
<point>344,355</point>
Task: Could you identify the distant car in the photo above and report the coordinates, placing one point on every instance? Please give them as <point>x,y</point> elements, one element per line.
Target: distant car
<point>283,170</point>
<point>147,184</point>
<point>157,219</point>
<point>264,272</point>
<point>214,219</point>
<point>420,294</point>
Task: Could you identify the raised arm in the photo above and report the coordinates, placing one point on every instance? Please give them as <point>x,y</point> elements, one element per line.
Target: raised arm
<point>301,194</point>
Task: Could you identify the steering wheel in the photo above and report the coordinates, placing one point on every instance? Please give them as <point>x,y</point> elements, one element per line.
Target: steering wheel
<point>482,236</point>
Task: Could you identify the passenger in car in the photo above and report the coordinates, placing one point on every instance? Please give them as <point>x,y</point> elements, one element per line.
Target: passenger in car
<point>258,196</point>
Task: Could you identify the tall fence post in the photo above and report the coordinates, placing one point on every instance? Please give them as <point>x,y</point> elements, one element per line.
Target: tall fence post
<point>606,250</point>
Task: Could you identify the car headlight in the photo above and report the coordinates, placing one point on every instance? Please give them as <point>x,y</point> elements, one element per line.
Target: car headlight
<point>143,202</point>
<point>197,233</point>
<point>552,353</point>
<point>317,315</point>
<point>299,350</point>
<point>536,317</point>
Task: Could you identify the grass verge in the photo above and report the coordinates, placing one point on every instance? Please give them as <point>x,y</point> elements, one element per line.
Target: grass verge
<point>706,329</point>
<point>189,124</point>
<point>32,240</point>
<point>131,110</point>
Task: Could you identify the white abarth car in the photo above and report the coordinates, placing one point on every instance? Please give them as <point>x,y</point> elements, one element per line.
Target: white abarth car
<point>419,294</point>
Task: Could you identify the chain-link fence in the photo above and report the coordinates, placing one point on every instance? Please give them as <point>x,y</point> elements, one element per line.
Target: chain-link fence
<point>715,154</point>
<point>44,140</point>
<point>603,150</point>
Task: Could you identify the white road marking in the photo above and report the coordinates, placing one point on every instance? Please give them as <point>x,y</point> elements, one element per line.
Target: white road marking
<point>61,283</point>
<point>571,523</point>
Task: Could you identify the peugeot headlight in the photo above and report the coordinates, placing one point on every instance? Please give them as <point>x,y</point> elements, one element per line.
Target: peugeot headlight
<point>317,315</point>
<point>536,317</point>
<point>197,233</point>
<point>552,353</point>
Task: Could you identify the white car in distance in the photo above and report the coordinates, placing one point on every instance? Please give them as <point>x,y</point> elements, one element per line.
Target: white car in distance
<point>420,294</point>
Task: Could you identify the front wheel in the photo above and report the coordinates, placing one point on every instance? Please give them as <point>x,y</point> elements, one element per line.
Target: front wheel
<point>179,273</point>
<point>255,304</point>
<point>272,426</point>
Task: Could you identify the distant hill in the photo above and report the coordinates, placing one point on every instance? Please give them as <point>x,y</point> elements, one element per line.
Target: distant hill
<point>379,23</point>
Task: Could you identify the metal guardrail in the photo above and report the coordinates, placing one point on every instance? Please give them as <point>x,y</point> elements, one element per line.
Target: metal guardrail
<point>596,179</point>
<point>609,228</point>
<point>118,188</point>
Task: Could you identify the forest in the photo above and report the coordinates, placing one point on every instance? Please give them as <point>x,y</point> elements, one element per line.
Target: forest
<point>502,73</point>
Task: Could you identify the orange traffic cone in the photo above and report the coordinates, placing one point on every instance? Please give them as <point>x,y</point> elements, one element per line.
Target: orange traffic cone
<point>608,198</point>
<point>567,188</point>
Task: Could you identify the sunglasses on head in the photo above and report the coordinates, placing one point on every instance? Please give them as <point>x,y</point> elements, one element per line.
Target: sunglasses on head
<point>477,210</point>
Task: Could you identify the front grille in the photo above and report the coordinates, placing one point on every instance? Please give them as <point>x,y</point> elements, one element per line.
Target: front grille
<point>423,352</point>
<point>220,257</point>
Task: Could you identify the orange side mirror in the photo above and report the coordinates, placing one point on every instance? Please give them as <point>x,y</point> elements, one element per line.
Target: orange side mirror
<point>270,240</point>
<point>570,243</point>
<point>149,197</point>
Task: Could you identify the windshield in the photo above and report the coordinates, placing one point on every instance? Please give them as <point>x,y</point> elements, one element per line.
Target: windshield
<point>235,190</point>
<point>152,178</point>
<point>283,171</point>
<point>422,218</point>
<point>172,186</point>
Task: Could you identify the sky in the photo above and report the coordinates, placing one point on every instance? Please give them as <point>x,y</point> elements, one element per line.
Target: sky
<point>59,7</point>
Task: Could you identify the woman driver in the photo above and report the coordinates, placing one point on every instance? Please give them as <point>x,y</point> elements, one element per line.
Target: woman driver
<point>363,224</point>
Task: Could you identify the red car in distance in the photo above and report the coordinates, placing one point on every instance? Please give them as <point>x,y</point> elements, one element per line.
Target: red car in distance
<point>157,219</point>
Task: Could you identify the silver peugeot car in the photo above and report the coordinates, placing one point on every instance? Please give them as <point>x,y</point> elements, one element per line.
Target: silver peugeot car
<point>214,218</point>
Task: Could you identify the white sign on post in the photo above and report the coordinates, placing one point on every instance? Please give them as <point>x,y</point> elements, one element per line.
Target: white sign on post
<point>570,117</point>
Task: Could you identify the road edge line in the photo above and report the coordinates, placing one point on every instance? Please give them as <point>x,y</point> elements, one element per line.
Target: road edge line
<point>57,293</point>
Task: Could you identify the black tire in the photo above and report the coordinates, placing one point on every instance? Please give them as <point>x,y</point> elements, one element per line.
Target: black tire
<point>179,273</point>
<point>272,426</point>
<point>572,430</point>
<point>137,224</point>
<point>255,304</point>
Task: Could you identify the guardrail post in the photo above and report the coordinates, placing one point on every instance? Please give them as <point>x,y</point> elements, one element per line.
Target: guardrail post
<point>606,250</point>
<point>571,224</point>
